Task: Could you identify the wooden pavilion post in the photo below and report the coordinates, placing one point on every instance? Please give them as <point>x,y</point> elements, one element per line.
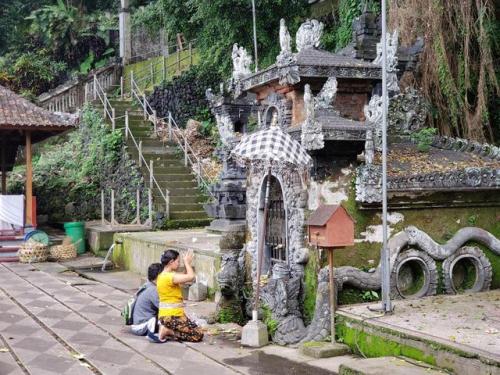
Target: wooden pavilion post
<point>4,170</point>
<point>29,181</point>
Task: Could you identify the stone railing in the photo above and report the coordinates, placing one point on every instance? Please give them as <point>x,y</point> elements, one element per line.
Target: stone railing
<point>71,95</point>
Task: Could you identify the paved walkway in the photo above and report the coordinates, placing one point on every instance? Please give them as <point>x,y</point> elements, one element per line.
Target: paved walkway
<point>54,322</point>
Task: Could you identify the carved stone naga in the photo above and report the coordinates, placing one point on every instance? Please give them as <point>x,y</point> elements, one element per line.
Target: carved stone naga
<point>319,327</point>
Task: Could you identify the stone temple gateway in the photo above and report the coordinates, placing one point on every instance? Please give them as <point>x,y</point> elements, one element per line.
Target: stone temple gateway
<point>329,102</point>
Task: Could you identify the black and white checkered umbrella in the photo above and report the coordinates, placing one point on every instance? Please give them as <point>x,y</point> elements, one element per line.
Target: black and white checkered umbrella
<point>271,145</point>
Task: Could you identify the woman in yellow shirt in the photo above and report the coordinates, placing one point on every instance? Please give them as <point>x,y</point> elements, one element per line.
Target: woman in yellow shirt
<point>173,321</point>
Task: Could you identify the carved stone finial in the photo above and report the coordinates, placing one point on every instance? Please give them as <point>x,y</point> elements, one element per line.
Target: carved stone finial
<point>327,94</point>
<point>312,133</point>
<point>241,62</point>
<point>285,40</point>
<point>285,56</point>
<point>309,35</point>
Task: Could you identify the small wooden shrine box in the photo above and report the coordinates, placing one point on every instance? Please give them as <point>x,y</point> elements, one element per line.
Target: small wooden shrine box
<point>331,226</point>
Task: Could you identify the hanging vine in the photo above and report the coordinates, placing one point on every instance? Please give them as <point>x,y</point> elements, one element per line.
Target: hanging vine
<point>457,71</point>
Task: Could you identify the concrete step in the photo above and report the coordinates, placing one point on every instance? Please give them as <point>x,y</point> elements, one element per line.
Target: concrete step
<point>188,215</point>
<point>178,207</point>
<point>174,185</point>
<point>186,223</point>
<point>8,249</point>
<point>170,168</point>
<point>384,366</point>
<point>174,177</point>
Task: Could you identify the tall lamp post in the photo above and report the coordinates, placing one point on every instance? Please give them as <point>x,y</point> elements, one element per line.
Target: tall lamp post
<point>255,36</point>
<point>385,256</point>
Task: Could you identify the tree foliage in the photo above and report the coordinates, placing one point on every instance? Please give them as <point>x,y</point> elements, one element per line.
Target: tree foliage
<point>458,71</point>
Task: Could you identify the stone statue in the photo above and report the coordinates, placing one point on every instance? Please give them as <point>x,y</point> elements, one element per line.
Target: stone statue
<point>285,40</point>
<point>392,61</point>
<point>241,62</point>
<point>285,57</point>
<point>373,114</point>
<point>327,94</point>
<point>312,134</point>
<point>309,35</point>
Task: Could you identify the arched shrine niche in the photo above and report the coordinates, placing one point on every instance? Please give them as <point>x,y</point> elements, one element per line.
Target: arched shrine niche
<point>272,116</point>
<point>287,211</point>
<point>275,245</point>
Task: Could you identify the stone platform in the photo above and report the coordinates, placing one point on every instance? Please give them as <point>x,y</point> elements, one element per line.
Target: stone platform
<point>460,333</point>
<point>136,251</point>
<point>100,236</point>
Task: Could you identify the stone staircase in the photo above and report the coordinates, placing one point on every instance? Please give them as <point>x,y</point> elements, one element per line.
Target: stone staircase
<point>186,200</point>
<point>9,245</point>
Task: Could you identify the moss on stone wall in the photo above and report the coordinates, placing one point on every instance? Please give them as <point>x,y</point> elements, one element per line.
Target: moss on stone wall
<point>311,284</point>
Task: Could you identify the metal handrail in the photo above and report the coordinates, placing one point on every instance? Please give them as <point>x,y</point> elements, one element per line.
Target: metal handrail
<point>152,178</point>
<point>183,144</point>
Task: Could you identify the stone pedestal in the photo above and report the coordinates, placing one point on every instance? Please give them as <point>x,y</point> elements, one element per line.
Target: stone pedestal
<point>229,208</point>
<point>254,334</point>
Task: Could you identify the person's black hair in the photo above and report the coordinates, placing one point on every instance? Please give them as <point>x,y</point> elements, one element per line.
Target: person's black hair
<point>168,256</point>
<point>154,270</point>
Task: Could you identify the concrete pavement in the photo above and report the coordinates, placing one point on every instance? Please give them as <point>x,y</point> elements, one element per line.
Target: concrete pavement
<point>56,322</point>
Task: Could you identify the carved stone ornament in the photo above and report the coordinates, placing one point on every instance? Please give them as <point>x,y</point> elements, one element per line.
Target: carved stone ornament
<point>309,35</point>
<point>241,62</point>
<point>369,184</point>
<point>407,112</point>
<point>369,147</point>
<point>327,94</point>
<point>371,280</point>
<point>373,113</point>
<point>392,61</point>
<point>484,150</point>
<point>312,135</point>
<point>225,127</point>
<point>285,56</point>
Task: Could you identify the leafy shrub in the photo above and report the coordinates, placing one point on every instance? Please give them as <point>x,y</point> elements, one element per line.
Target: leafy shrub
<point>423,138</point>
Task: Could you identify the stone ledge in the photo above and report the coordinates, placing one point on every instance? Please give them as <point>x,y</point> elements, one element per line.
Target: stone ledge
<point>318,349</point>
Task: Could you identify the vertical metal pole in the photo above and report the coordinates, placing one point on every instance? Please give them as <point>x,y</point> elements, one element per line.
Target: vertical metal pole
<point>385,256</point>
<point>138,206</point>
<point>103,221</point>
<point>167,204</point>
<point>144,104</point>
<point>95,87</point>
<point>190,54</point>
<point>113,124</point>
<point>332,295</point>
<point>112,207</point>
<point>131,84</point>
<point>151,174</point>
<point>150,206</point>
<point>121,87</point>
<point>169,126</point>
<point>198,175</point>
<point>255,35</point>
<point>185,151</point>
<point>154,121</point>
<point>163,68</point>
<point>104,105</point>
<point>178,60</point>
<point>152,71</point>
<point>86,92</point>
<point>140,153</point>
<point>126,125</point>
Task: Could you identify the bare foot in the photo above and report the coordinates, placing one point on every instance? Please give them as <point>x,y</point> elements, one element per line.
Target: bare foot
<point>164,332</point>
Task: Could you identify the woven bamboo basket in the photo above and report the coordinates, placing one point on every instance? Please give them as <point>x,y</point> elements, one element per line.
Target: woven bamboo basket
<point>63,252</point>
<point>33,252</point>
